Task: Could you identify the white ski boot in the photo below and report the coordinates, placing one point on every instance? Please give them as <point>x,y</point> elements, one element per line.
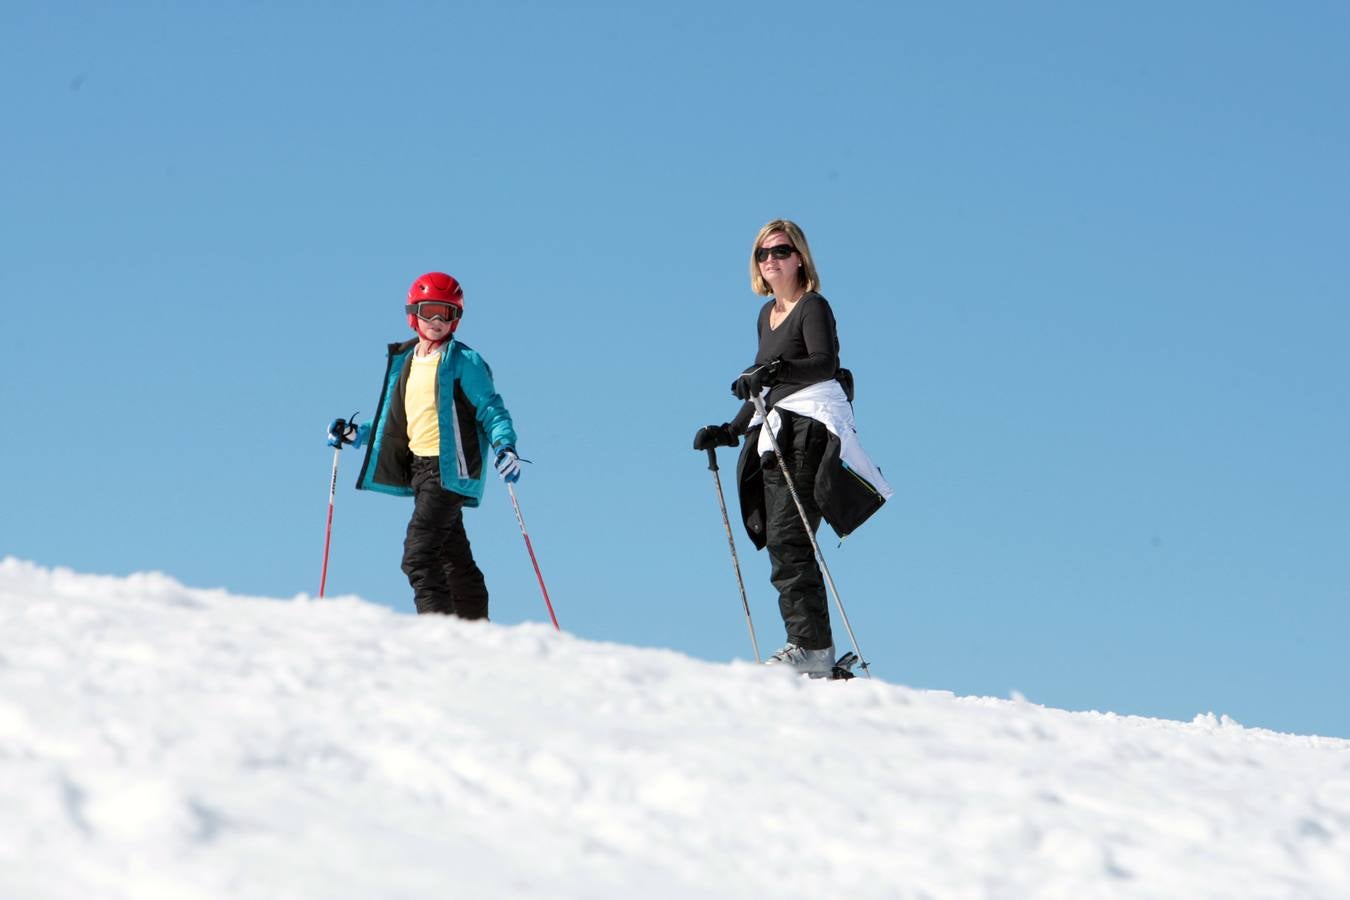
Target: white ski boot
<point>816,663</point>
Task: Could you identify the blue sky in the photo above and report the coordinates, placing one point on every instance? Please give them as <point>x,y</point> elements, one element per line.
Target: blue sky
<point>1088,264</point>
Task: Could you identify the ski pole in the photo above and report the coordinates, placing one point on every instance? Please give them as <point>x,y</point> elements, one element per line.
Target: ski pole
<point>332,493</point>
<point>328,535</point>
<point>731,542</point>
<point>806,523</point>
<point>530,547</point>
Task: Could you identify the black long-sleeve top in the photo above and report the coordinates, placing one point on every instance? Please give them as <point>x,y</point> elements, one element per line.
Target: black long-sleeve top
<point>806,341</point>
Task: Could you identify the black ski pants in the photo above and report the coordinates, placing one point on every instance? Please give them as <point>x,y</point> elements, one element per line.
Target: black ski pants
<point>801,587</point>
<point>436,555</point>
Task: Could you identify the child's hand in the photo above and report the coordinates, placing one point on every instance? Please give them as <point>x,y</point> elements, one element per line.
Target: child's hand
<point>344,433</point>
<point>508,465</point>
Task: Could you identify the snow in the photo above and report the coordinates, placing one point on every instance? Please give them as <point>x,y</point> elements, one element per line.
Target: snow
<point>163,741</point>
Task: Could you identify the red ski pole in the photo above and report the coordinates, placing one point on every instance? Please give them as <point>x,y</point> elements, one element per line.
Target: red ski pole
<point>530,547</point>
<point>332,492</point>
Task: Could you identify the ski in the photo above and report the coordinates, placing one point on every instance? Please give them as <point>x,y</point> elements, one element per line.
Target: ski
<point>842,670</point>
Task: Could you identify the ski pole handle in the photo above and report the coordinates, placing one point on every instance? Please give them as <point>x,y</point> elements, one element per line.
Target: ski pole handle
<point>712,459</point>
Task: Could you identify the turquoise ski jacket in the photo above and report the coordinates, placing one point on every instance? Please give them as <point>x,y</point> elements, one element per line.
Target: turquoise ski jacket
<point>474,424</point>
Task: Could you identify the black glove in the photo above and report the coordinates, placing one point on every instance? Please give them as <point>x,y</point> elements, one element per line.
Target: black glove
<point>710,436</point>
<point>752,382</point>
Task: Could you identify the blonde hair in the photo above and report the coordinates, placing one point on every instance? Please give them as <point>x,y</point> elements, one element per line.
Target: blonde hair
<point>807,276</point>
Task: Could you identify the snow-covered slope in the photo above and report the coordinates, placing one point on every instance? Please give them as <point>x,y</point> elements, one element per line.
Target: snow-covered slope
<point>163,741</point>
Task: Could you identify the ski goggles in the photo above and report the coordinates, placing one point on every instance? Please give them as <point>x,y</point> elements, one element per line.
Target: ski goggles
<point>782,251</point>
<point>431,310</point>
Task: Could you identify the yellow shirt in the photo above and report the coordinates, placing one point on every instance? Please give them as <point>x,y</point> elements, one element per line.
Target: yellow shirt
<point>419,402</point>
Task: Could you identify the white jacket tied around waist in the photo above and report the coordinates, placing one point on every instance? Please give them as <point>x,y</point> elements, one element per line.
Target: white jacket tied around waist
<point>826,403</point>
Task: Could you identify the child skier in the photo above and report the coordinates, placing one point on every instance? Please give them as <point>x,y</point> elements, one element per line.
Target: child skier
<point>438,419</point>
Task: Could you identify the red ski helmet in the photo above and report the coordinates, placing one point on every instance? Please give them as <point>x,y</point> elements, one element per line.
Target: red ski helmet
<point>436,286</point>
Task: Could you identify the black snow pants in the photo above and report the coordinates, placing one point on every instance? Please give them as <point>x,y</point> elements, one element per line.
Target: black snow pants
<point>801,588</point>
<point>436,554</point>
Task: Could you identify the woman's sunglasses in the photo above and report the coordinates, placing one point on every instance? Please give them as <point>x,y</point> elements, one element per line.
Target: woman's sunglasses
<point>430,310</point>
<point>781,251</point>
